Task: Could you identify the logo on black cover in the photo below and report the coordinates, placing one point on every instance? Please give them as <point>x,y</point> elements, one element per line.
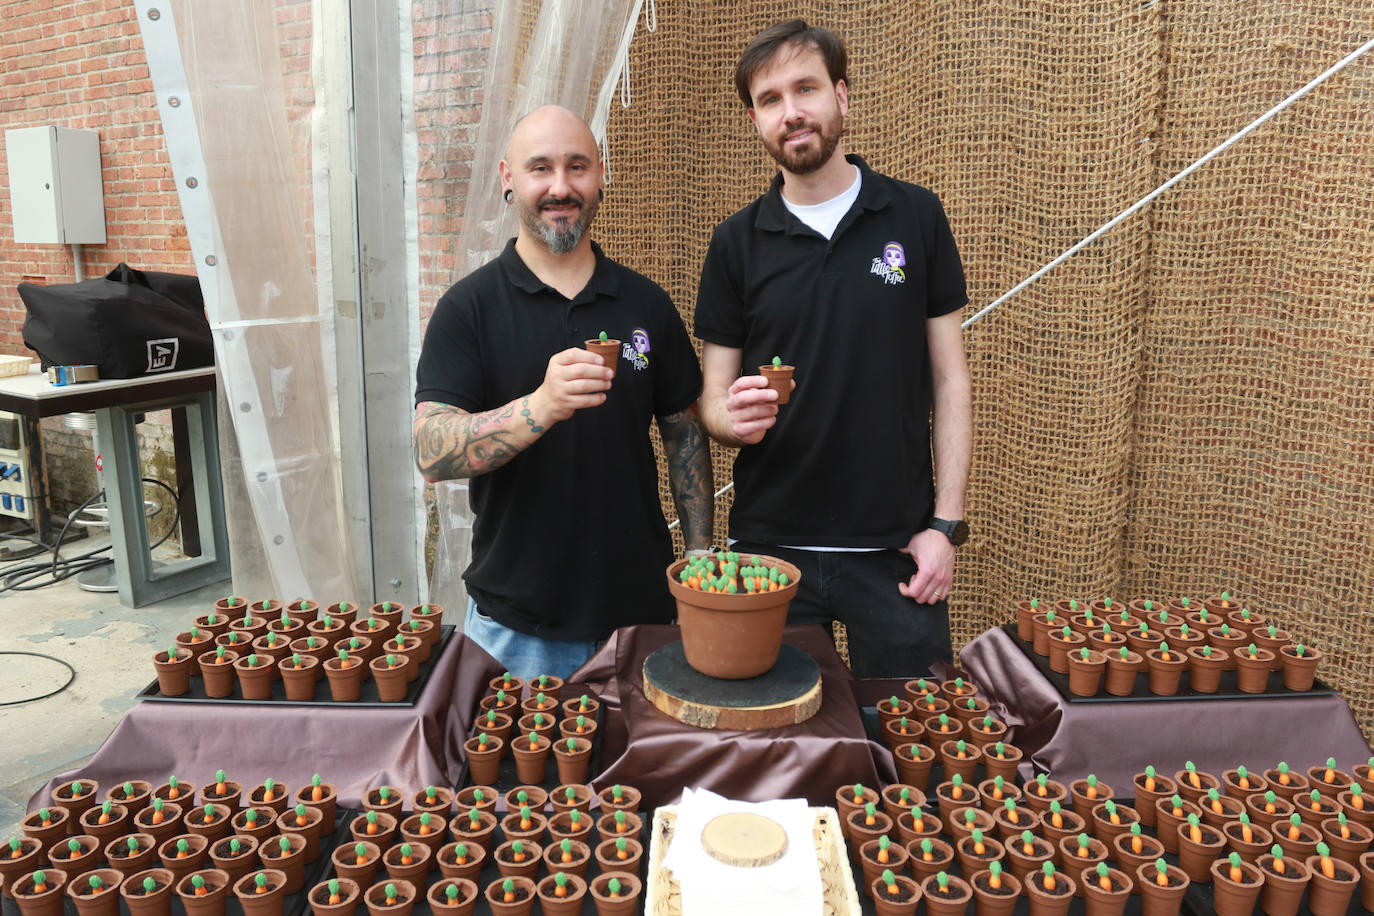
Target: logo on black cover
<point>162,354</point>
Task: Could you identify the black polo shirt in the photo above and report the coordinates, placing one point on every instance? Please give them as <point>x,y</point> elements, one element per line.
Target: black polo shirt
<point>570,540</point>
<point>848,463</point>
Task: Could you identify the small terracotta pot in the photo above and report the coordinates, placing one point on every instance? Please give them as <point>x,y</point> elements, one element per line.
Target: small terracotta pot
<point>484,764</point>
<point>1252,671</point>
<point>896,854</point>
<point>427,631</point>
<point>966,850</point>
<point>90,901</point>
<point>181,862</point>
<point>970,710</point>
<point>571,795</point>
<point>1009,823</point>
<point>611,826</point>
<point>235,864</point>
<point>1038,797</point>
<point>531,758</point>
<point>216,626</point>
<point>347,864</point>
<point>1167,822</point>
<point>1074,864</point>
<point>182,793</point>
<point>217,673</point>
<point>126,860</point>
<point>461,828</point>
<point>173,672</point>
<point>1282,893</point>
<point>1023,864</point>
<point>170,825</point>
<point>209,820</point>
<point>1122,667</point>
<point>1185,637</point>
<point>248,626</point>
<point>541,723</point>
<point>375,898</point>
<point>1053,900</point>
<point>144,902</point>
<point>349,896</point>
<point>374,629</point>
<point>401,644</point>
<point>286,854</point>
<point>258,822</point>
<point>913,764</point>
<point>453,897</point>
<point>1331,896</point>
<point>1299,672</point>
<point>387,799</point>
<point>1222,810</point>
<point>255,674</point>
<point>523,861</point>
<point>1060,644</point>
<point>909,829</point>
<point>1205,665</point>
<point>989,901</point>
<point>1193,785</point>
<point>209,898</point>
<point>1235,898</point>
<point>1231,783</point>
<point>118,821</point>
<point>1164,787</point>
<point>1302,845</point>
<point>925,862</point>
<point>1141,643</point>
<point>474,859</point>
<point>624,902</point>
<point>345,683</point>
<point>929,707</point>
<point>383,829</point>
<point>308,821</point>
<point>1195,856</point>
<point>960,758</point>
<point>480,796</point>
<point>611,857</point>
<point>1088,793</point>
<point>573,888</point>
<point>1255,807</point>
<point>276,647</point>
<point>522,890</point>
<point>1287,785</point>
<point>1313,811</point>
<point>780,380</point>
<point>574,860</point>
<point>1085,673</point>
<point>562,826</point>
<point>630,797</point>
<point>299,677</point>
<point>1367,881</point>
<point>327,629</point>
<point>1157,900</point>
<point>391,672</point>
<point>1347,848</point>
<point>414,871</point>
<point>1165,673</point>
<point>952,899</point>
<point>347,611</point>
<point>901,903</point>
<point>1025,610</point>
<point>1130,860</point>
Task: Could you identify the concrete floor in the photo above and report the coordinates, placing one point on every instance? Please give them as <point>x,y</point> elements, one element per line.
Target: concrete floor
<point>109,646</point>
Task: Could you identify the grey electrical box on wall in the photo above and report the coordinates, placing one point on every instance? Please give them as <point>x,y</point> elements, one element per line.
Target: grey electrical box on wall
<point>55,190</point>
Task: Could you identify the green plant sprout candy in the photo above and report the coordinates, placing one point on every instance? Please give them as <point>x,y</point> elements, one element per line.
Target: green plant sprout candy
<point>1135,828</point>
<point>777,362</point>
<point>1083,653</point>
<point>149,885</point>
<point>97,884</point>
<point>371,817</point>
<point>359,850</point>
<point>613,886</point>
<point>253,659</point>
<point>132,843</point>
<point>620,819</point>
<point>384,793</point>
<point>233,638</point>
<point>602,337</point>
<point>182,846</point>
<point>451,892</point>
<point>250,816</point>
<point>621,844</point>
<point>927,846</point>
<point>284,844</point>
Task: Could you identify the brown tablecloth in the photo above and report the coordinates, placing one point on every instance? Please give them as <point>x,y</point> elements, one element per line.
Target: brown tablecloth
<point>660,755</point>
<point>354,747</point>
<point>1117,740</point>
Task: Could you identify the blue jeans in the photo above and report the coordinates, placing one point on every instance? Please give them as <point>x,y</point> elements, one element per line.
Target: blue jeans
<point>523,655</point>
<point>890,635</point>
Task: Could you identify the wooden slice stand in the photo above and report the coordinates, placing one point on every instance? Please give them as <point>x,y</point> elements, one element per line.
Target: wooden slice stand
<point>744,840</point>
<point>787,694</point>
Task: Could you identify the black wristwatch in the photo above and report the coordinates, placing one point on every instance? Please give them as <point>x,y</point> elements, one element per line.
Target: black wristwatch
<point>956,531</point>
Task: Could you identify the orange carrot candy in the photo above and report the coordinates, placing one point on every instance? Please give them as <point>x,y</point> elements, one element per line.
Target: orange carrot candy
<point>260,880</point>
<point>1242,777</point>
<point>1214,801</point>
<point>372,829</point>
<point>581,725</point>
<point>1294,823</point>
<point>998,788</point>
<point>1356,796</point>
<point>1056,814</point>
<point>1234,872</point>
<point>250,818</point>
<point>622,849</point>
<point>425,828</point>
<point>904,797</point>
<point>979,847</point>
<point>1271,802</point>
<point>927,850</point>
<point>344,660</point>
<point>1000,751</point>
<point>1091,790</point>
<point>622,827</point>
<point>105,808</point>
<point>1137,844</point>
<point>1194,828</point>
<point>1028,842</point>
<point>316,788</point>
<point>1247,833</point>
<point>334,896</point>
<point>360,854</point>
<point>942,879</point>
<point>16,847</point>
<point>988,725</point>
<point>858,794</point>
<point>1343,826</point>
<point>1177,806</point>
<point>1104,880</point>
<point>1328,867</point>
<point>883,856</point>
<point>890,882</point>
<point>156,818</point>
<point>183,849</point>
<point>220,788</point>
<point>961,749</point>
<point>1161,872</point>
<point>560,881</point>
<point>902,726</point>
<point>565,850</point>
<point>1277,852</point>
<point>301,819</point>
<point>918,820</point>
<point>995,875</point>
<point>613,887</point>
<point>957,786</point>
<point>407,854</point>
<point>390,891</point>
<point>207,814</point>
<point>1284,778</point>
<point>1164,653</point>
<point>1083,851</point>
<point>1193,778</point>
<point>534,741</point>
<point>1048,880</point>
<point>1010,806</point>
<point>474,820</point>
<point>1042,781</point>
<point>1113,816</point>
<point>517,851</point>
<point>40,882</point>
<point>1330,775</point>
<point>944,722</point>
<point>526,820</point>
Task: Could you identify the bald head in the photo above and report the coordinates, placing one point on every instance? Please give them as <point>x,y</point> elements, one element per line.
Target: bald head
<point>552,175</point>
<point>550,123</point>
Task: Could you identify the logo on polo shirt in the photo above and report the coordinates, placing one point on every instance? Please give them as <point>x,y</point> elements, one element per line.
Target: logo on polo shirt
<point>890,265</point>
<point>635,351</point>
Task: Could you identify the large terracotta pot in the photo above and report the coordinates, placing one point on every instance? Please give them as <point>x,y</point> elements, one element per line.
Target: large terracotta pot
<point>732,636</point>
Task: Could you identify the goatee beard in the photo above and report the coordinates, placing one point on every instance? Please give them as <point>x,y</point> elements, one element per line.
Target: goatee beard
<point>564,236</point>
<point>806,161</point>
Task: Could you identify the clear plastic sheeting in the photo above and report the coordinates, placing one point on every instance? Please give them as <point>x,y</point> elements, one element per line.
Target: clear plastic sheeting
<point>565,52</point>
<point>247,72</point>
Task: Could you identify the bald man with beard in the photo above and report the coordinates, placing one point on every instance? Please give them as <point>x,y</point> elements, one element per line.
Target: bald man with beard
<point>569,541</point>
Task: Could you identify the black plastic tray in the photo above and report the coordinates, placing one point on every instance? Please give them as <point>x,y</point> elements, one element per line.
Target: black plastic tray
<point>367,697</point>
<point>1226,691</point>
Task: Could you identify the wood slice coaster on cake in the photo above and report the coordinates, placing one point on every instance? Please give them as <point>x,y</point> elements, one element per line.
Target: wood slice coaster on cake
<point>744,840</point>
<point>787,694</point>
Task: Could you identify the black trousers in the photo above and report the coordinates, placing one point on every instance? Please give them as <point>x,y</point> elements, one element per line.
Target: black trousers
<point>890,635</point>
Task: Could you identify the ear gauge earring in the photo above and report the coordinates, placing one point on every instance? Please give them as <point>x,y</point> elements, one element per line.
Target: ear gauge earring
<point>600,194</point>
<point>507,195</point>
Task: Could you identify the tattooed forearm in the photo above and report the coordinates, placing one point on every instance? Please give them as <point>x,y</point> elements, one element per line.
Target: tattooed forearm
<point>451,443</point>
<point>689,474</point>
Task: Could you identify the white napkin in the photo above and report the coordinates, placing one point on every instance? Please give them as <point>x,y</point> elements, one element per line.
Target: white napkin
<point>710,888</point>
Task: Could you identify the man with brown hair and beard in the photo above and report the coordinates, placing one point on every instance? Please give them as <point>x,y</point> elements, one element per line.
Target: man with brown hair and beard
<point>854,278</point>
<point>569,540</point>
